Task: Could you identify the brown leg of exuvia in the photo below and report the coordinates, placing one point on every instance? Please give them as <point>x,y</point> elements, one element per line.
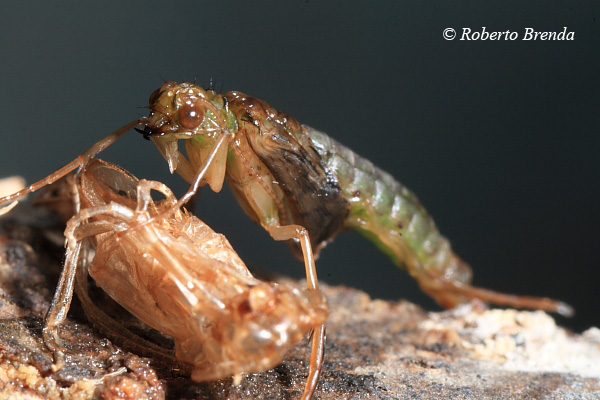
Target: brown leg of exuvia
<point>452,293</point>
<point>57,313</point>
<point>288,232</point>
<point>75,232</point>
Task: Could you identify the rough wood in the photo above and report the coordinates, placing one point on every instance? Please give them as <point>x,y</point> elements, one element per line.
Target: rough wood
<point>375,349</point>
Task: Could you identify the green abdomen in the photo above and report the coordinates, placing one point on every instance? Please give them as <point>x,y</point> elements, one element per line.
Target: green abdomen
<point>388,214</point>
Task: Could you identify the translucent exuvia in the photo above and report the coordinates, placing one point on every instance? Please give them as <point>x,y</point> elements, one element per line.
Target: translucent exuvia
<point>178,276</point>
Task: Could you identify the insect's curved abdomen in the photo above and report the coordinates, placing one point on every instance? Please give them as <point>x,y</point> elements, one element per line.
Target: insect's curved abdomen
<point>388,214</point>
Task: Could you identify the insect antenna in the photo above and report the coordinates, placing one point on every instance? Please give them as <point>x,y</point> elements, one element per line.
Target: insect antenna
<point>78,162</point>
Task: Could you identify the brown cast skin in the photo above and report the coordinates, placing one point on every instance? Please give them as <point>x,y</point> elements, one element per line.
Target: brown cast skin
<point>179,277</point>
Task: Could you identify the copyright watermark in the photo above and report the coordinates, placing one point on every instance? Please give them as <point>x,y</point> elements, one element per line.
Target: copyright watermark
<point>526,34</point>
<point>449,33</point>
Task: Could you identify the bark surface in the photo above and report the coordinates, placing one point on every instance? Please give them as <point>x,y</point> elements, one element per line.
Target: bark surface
<point>375,349</point>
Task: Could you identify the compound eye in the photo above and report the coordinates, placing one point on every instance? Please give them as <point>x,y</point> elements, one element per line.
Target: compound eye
<point>191,115</point>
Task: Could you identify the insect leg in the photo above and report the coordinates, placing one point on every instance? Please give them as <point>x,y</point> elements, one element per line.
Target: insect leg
<point>317,356</point>
<point>298,232</point>
<point>222,140</point>
<point>76,231</point>
<point>144,197</point>
<point>80,161</point>
<point>60,304</point>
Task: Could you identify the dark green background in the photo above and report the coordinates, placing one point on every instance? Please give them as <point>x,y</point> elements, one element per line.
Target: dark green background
<point>498,139</point>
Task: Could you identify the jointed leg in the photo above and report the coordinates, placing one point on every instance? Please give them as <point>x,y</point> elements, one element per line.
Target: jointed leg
<point>317,356</point>
<point>144,196</point>
<point>75,232</point>
<point>79,162</point>
<point>57,313</point>
<point>299,233</point>
<point>220,144</point>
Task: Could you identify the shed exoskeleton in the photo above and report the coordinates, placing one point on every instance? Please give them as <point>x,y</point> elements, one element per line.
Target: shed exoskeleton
<point>181,278</point>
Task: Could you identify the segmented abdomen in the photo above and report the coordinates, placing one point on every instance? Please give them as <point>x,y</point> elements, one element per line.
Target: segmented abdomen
<point>389,214</point>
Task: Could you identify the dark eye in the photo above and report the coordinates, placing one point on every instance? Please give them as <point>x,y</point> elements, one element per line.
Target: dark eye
<point>191,115</point>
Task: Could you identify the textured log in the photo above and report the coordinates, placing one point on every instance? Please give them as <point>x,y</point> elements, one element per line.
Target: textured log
<point>375,349</point>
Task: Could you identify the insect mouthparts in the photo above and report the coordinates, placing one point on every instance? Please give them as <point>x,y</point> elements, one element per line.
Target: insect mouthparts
<point>147,132</point>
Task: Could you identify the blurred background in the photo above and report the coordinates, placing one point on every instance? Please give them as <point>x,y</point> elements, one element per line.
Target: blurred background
<point>499,139</point>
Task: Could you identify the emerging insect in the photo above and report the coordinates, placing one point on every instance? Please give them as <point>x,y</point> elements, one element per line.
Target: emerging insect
<point>180,277</point>
<point>301,186</point>
<point>284,173</point>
